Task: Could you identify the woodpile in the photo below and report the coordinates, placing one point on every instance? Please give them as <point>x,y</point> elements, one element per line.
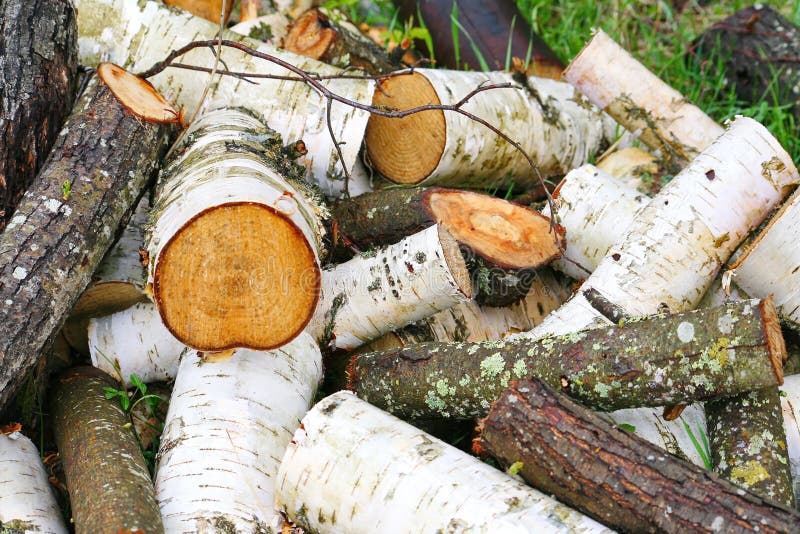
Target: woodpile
<point>248,211</point>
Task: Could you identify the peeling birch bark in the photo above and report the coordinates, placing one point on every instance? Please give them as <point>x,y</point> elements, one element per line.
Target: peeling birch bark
<point>568,451</point>
<point>27,503</point>
<point>228,426</point>
<point>617,83</point>
<point>102,461</point>
<point>379,291</point>
<point>136,35</point>
<point>135,341</point>
<point>236,238</point>
<point>358,468</point>
<point>448,149</point>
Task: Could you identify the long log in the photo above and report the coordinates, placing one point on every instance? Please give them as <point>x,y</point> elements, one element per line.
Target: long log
<point>353,468</point>
<point>108,481</point>
<point>103,160</point>
<point>37,83</point>
<point>566,450</point>
<point>663,360</point>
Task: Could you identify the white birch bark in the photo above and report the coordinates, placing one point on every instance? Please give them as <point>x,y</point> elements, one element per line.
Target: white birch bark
<point>136,35</point>
<point>790,406</point>
<point>616,82</point>
<point>27,503</point>
<point>354,468</point>
<point>226,430</point>
<point>275,25</point>
<point>374,293</point>
<point>135,341</point>
<point>632,166</point>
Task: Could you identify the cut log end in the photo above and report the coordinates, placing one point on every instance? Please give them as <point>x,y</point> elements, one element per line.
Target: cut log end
<point>217,286</point>
<point>310,35</point>
<point>137,95</point>
<point>455,261</point>
<point>507,234</point>
<point>406,150</point>
<point>775,342</point>
<point>207,9</point>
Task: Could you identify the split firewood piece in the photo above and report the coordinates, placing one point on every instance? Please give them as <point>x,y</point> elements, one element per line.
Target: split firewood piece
<point>327,35</point>
<point>790,407</point>
<point>236,238</point>
<point>135,342</point>
<point>355,466</point>
<point>568,451</point>
<point>662,360</point>
<point>388,288</point>
<point>101,163</point>
<point>212,10</point>
<point>39,43</point>
<point>490,32</point>
<point>640,101</point>
<point>228,426</point>
<point>102,461</point>
<point>674,248</point>
<point>27,503</point>
<point>140,34</point>
<point>757,462</point>
<point>549,119</point>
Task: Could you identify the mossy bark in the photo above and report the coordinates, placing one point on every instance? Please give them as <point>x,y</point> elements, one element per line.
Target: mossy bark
<point>663,360</point>
<point>109,484</point>
<point>613,476</point>
<point>102,161</point>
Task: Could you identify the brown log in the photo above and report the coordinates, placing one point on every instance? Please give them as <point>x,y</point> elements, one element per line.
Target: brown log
<point>614,476</point>
<point>38,48</point>
<point>65,223</point>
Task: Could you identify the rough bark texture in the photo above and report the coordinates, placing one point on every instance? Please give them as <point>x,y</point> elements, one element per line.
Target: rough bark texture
<point>497,286</point>
<point>109,485</point>
<point>38,63</point>
<point>59,233</point>
<point>663,360</point>
<point>617,478</point>
<point>748,443</point>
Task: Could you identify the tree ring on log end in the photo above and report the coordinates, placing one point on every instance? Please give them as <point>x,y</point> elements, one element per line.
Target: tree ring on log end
<point>406,150</point>
<point>137,95</point>
<point>455,261</point>
<point>239,274</point>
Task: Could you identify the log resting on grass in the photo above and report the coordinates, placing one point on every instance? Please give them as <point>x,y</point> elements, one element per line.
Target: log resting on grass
<point>549,119</point>
<point>661,360</point>
<point>361,470</point>
<point>139,34</point>
<point>236,238</point>
<point>37,83</point>
<point>109,485</point>
<point>227,428</point>
<point>54,241</point>
<point>27,503</point>
<point>568,451</point>
<point>616,82</point>
<point>379,291</point>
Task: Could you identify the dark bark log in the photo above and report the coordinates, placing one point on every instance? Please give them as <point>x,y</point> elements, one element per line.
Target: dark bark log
<point>487,24</point>
<point>496,286</point>
<point>619,479</point>
<point>38,64</point>
<point>109,485</point>
<point>65,223</point>
<point>662,360</point>
<point>748,443</point>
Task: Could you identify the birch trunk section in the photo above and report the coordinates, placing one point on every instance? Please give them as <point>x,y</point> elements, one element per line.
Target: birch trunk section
<point>449,149</point>
<point>353,468</point>
<point>790,408</point>
<point>227,428</point>
<point>136,35</point>
<point>27,503</point>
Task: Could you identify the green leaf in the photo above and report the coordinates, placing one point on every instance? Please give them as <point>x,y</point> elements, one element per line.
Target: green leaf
<point>627,428</point>
<point>515,468</point>
<point>138,384</point>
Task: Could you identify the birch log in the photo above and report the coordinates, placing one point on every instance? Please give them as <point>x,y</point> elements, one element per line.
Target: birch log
<point>377,292</point>
<point>106,157</point>
<point>139,34</point>
<point>353,468</point>
<point>790,408</point>
<point>236,238</point>
<point>37,83</point>
<point>566,450</point>
<point>27,503</point>
<point>228,426</point>
<point>270,28</point>
<point>547,118</point>
<point>109,485</point>
<point>616,82</point>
